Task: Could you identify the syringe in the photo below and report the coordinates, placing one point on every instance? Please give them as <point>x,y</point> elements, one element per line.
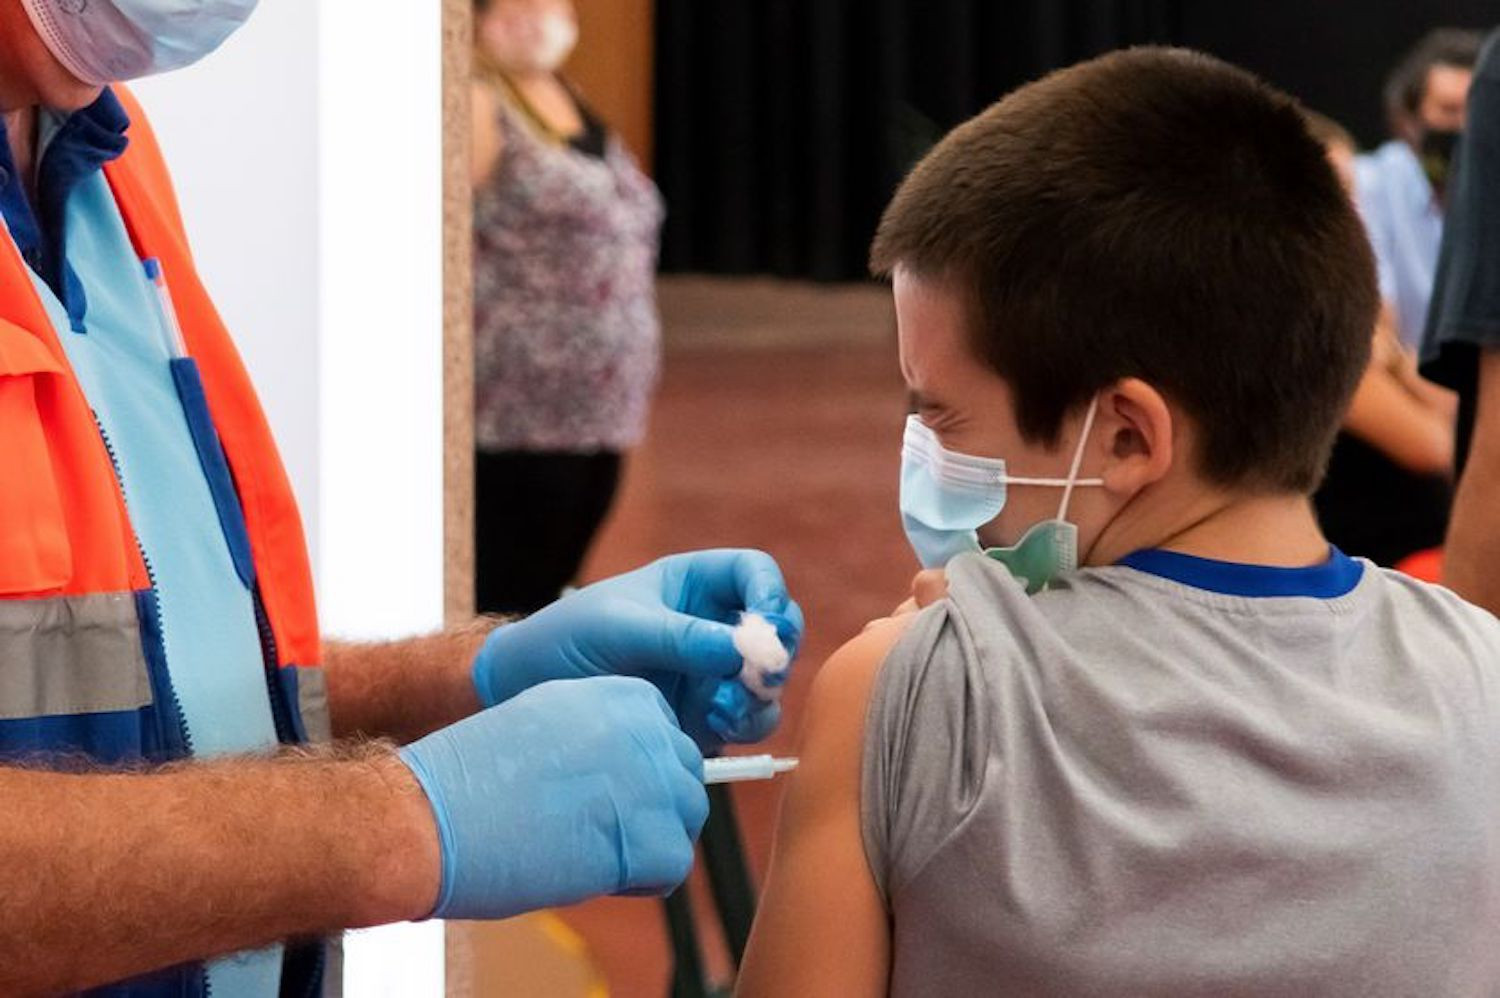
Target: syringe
<point>738,768</point>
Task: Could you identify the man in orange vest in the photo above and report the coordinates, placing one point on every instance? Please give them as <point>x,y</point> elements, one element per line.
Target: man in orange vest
<point>158,640</point>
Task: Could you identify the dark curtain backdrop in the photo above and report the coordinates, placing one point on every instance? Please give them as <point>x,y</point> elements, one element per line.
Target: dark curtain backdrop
<point>782,126</point>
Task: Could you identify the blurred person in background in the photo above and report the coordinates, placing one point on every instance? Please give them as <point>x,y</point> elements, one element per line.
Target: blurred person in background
<point>567,337</point>
<point>1461,348</point>
<point>1401,186</point>
<point>1387,491</point>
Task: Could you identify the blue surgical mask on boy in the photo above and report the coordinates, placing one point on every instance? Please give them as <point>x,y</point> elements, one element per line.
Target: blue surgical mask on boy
<point>107,41</point>
<point>947,496</point>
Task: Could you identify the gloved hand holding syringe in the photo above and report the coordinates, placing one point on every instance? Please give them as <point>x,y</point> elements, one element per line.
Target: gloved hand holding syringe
<point>764,673</point>
<point>584,773</point>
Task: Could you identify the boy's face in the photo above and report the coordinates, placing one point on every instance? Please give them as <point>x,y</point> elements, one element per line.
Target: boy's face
<point>970,408</point>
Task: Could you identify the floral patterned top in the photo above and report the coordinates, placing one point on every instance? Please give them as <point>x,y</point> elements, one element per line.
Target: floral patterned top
<point>566,333</point>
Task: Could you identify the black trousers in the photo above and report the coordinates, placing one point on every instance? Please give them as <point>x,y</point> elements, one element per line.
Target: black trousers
<point>535,515</point>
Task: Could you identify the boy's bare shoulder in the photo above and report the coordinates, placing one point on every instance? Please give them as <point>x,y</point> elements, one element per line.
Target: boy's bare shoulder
<point>859,660</point>
<point>841,691</point>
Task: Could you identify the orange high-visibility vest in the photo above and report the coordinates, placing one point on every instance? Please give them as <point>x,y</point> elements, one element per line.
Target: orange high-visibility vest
<point>70,568</point>
<point>82,666</point>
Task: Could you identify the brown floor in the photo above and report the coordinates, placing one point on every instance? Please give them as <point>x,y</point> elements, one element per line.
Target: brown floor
<point>777,426</point>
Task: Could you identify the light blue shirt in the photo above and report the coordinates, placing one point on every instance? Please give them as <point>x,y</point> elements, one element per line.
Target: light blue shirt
<point>209,630</point>
<point>1405,224</point>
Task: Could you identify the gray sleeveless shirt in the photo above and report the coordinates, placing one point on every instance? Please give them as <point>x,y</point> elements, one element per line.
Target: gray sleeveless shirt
<point>1132,786</point>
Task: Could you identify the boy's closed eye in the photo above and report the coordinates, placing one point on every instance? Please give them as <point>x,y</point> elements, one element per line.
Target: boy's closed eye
<point>933,411</point>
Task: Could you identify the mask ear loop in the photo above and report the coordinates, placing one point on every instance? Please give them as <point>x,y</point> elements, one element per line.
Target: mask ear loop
<point>1083,439</point>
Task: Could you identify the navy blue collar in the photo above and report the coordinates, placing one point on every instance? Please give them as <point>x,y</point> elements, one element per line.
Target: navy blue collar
<point>80,147</point>
<point>1335,577</point>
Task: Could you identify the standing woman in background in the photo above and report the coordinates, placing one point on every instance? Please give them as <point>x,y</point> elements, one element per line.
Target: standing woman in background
<point>566,333</point>
<point>1388,485</point>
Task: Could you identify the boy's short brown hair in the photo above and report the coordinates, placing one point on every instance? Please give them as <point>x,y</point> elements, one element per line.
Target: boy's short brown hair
<point>1160,214</point>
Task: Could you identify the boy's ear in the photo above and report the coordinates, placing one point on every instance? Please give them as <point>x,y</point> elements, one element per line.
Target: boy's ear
<point>1135,428</point>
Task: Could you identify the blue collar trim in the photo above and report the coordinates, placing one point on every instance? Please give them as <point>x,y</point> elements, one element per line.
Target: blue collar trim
<point>1335,577</point>
<point>81,146</point>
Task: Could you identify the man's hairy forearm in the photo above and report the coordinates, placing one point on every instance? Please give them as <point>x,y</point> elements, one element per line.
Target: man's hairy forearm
<point>1472,552</point>
<point>109,875</point>
<point>403,689</point>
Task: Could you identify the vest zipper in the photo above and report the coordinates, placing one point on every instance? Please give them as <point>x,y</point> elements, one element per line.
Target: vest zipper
<point>280,709</point>
<point>315,982</point>
<point>173,705</point>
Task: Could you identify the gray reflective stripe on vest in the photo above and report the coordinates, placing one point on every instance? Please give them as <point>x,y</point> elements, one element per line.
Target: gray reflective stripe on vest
<point>71,655</point>
<point>312,703</point>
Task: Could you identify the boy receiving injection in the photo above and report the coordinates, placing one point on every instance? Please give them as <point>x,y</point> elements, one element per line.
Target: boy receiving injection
<point>1160,738</point>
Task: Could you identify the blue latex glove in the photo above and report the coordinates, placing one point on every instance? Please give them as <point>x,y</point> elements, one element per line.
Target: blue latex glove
<point>566,791</point>
<point>670,622</point>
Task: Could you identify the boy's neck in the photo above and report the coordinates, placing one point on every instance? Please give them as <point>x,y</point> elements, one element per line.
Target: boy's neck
<point>1280,530</point>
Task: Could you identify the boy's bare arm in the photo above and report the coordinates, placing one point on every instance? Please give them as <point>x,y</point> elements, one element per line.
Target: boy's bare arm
<point>403,689</point>
<point>821,928</point>
<point>112,875</point>
<point>1472,551</point>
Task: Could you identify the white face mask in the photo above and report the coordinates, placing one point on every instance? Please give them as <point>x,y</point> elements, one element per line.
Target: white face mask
<point>106,41</point>
<point>557,35</point>
<point>947,496</point>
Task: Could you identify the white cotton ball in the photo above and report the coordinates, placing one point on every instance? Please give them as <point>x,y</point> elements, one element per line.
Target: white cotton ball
<point>766,660</point>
